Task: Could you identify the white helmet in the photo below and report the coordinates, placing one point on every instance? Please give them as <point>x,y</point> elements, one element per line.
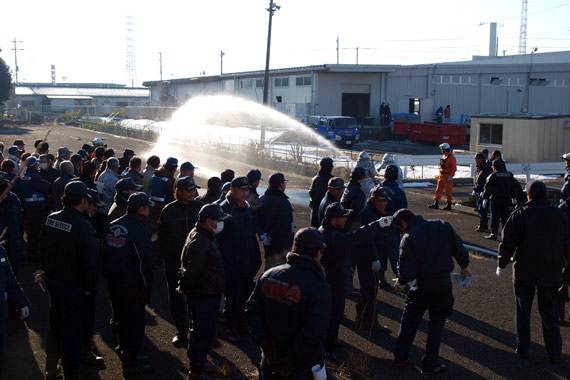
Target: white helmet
<point>98,141</point>
<point>444,146</point>
<point>388,158</point>
<point>363,155</point>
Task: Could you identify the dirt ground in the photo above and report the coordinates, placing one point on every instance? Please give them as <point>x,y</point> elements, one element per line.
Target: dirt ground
<point>478,342</point>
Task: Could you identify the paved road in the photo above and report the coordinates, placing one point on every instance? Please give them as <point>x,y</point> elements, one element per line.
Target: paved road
<point>478,342</point>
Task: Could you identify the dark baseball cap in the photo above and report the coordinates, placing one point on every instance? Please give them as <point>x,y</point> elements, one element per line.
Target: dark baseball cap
<point>240,182</point>
<point>19,142</point>
<point>126,184</point>
<point>254,175</point>
<point>326,162</point>
<point>212,211</point>
<point>31,161</point>
<point>480,156</point>
<point>276,178</point>
<point>187,166</point>
<point>93,198</point>
<point>137,200</point>
<point>4,177</point>
<point>14,149</point>
<point>336,183</point>
<point>357,172</point>
<point>76,158</point>
<point>82,153</point>
<point>536,188</point>
<point>335,210</point>
<point>381,192</point>
<point>186,183</point>
<point>129,152</point>
<point>402,214</point>
<point>171,161</point>
<point>63,151</point>
<point>307,240</point>
<point>75,188</point>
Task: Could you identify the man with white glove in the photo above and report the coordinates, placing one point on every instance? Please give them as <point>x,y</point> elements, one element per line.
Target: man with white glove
<point>429,262</point>
<point>10,287</point>
<point>536,236</point>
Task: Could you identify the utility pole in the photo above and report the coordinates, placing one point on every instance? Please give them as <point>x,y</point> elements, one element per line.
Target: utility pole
<point>337,50</point>
<point>222,62</point>
<point>272,8</point>
<point>16,48</point>
<point>160,59</point>
<point>357,55</point>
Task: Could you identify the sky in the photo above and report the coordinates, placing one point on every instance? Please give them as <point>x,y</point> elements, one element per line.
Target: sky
<point>87,41</point>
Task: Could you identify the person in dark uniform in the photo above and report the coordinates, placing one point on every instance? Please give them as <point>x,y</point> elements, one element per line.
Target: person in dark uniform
<point>65,176</point>
<point>134,171</point>
<point>35,192</point>
<point>71,261</point>
<point>274,221</point>
<point>563,296</point>
<point>240,254</point>
<point>337,261</point>
<point>368,257</point>
<point>482,172</point>
<point>565,190</point>
<point>334,193</point>
<point>319,189</point>
<point>353,197</point>
<point>77,162</point>
<point>125,160</point>
<point>537,237</point>
<point>500,190</point>
<point>213,192</point>
<point>127,266</point>
<point>202,279</point>
<point>10,217</point>
<point>13,294</point>
<point>88,175</point>
<point>429,262</point>
<point>123,190</point>
<point>288,311</point>
<point>47,171</point>
<point>254,177</point>
<point>227,175</point>
<point>176,220</point>
<point>396,201</point>
<point>187,170</point>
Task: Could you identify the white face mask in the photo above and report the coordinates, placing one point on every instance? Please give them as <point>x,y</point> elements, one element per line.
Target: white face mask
<point>43,165</point>
<point>219,227</point>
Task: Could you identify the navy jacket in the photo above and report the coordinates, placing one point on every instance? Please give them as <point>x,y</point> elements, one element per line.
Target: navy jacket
<point>275,217</point>
<point>318,189</point>
<point>327,200</point>
<point>10,213</point>
<point>57,191</point>
<point>500,184</point>
<point>202,273</point>
<point>398,201</point>
<point>565,191</point>
<point>482,172</point>
<point>536,237</point>
<point>175,223</point>
<point>290,306</point>
<point>10,289</point>
<point>370,251</point>
<point>427,250</point>
<point>119,207</point>
<point>337,258</point>
<point>238,244</point>
<point>69,249</point>
<point>49,175</point>
<point>354,199</point>
<point>127,252</point>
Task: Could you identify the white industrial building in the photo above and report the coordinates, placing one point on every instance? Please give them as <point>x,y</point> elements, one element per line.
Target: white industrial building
<point>537,83</point>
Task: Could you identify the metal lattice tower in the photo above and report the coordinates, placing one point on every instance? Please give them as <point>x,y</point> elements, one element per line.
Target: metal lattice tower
<point>131,72</point>
<point>522,36</point>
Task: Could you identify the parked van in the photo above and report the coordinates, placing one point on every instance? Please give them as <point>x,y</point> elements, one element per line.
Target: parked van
<point>341,130</point>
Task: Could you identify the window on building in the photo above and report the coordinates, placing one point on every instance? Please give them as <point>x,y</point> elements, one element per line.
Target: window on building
<point>259,83</point>
<point>121,104</point>
<point>538,81</point>
<point>229,85</point>
<point>245,83</point>
<point>491,134</point>
<point>496,80</point>
<point>281,82</point>
<point>303,81</point>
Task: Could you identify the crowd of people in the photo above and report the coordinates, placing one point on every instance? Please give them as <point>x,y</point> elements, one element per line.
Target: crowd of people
<point>89,214</point>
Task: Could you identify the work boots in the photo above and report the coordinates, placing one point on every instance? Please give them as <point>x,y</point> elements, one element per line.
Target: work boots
<point>435,205</point>
<point>447,206</point>
<point>181,337</point>
<point>493,235</point>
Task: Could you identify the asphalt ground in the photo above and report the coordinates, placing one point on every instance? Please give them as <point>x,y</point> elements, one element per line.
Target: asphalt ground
<point>478,341</point>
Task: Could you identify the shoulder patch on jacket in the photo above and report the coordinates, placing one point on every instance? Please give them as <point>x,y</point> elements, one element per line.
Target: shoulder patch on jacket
<point>58,224</point>
<point>281,292</point>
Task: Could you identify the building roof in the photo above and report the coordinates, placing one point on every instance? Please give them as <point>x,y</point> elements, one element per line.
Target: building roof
<point>80,91</point>
<point>521,116</point>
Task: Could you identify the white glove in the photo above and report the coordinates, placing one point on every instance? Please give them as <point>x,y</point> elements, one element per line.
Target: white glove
<point>376,266</point>
<point>265,239</point>
<point>24,312</point>
<point>385,221</point>
<point>499,272</point>
<point>474,194</point>
<point>485,202</point>
<point>514,201</point>
<point>466,272</point>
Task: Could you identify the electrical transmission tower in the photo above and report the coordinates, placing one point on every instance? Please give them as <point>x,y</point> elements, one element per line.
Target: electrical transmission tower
<point>522,36</point>
<point>131,72</point>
